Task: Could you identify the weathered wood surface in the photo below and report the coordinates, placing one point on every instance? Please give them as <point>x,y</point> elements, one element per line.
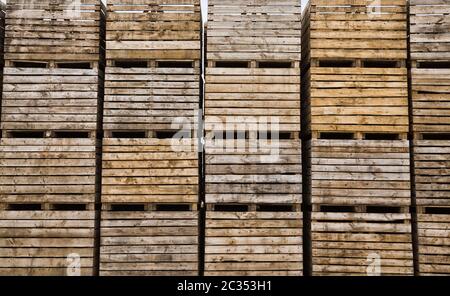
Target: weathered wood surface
<point>42,243</point>
<point>149,170</point>
<point>50,99</point>
<point>149,29</point>
<point>254,30</point>
<point>434,243</point>
<point>253,33</point>
<point>47,170</point>
<point>431,100</point>
<point>349,243</point>
<point>430,30</point>
<point>149,243</point>
<point>357,29</point>
<point>150,98</point>
<point>259,176</point>
<point>253,244</point>
<point>251,95</point>
<point>358,99</point>
<point>53,30</point>
<point>432,172</point>
<point>360,172</point>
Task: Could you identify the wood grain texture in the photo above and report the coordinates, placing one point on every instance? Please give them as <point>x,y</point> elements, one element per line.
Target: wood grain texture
<point>346,243</point>
<point>149,244</point>
<point>38,243</point>
<point>253,244</point>
<point>360,172</point>
<point>47,170</point>
<point>149,170</point>
<point>430,27</point>
<point>53,30</point>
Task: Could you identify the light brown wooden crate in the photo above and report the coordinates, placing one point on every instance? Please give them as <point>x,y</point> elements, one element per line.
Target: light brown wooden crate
<point>53,30</point>
<point>47,170</point>
<point>357,29</point>
<point>431,100</point>
<point>149,243</point>
<point>432,172</point>
<point>358,99</point>
<point>360,172</point>
<point>50,99</point>
<point>151,98</point>
<point>253,243</point>
<point>348,243</point>
<point>151,29</point>
<point>263,175</point>
<point>40,243</point>
<point>254,30</point>
<point>430,26</point>
<point>149,170</point>
<point>434,243</point>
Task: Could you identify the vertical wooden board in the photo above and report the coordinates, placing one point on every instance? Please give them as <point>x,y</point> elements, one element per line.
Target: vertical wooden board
<point>254,172</point>
<point>431,100</point>
<point>429,26</point>
<point>47,170</point>
<point>434,243</point>
<point>46,243</point>
<point>432,172</point>
<point>353,29</point>
<point>149,244</point>
<point>150,171</point>
<point>50,99</point>
<point>53,30</point>
<point>155,98</point>
<point>361,244</point>
<point>360,172</point>
<point>253,244</point>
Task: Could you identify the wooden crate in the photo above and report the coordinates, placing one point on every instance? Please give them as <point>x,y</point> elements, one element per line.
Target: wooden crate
<point>153,64</point>
<point>351,243</point>
<point>53,30</point>
<point>354,69</point>
<point>46,243</point>
<point>47,170</point>
<point>429,26</point>
<point>360,172</point>
<point>153,30</point>
<point>150,170</point>
<point>434,241</point>
<point>357,29</point>
<point>358,99</point>
<point>253,244</point>
<point>50,99</point>
<point>431,100</point>
<point>150,98</point>
<point>149,243</point>
<point>432,172</point>
<point>253,54</point>
<point>272,175</point>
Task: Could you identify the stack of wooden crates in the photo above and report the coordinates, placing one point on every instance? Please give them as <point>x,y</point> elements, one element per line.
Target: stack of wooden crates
<point>430,77</point>
<point>253,151</point>
<point>356,99</point>
<point>50,106</point>
<point>149,220</point>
